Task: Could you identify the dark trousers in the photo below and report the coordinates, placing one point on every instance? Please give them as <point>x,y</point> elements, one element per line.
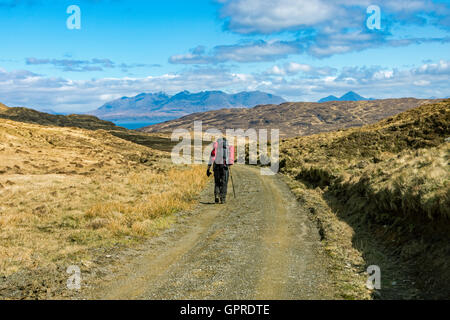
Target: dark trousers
<point>221,174</point>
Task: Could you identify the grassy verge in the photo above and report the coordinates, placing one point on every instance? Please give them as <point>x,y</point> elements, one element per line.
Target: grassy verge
<point>389,184</point>
<point>347,264</point>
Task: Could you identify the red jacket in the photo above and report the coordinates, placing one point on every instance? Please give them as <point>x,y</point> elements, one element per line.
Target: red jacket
<point>229,157</point>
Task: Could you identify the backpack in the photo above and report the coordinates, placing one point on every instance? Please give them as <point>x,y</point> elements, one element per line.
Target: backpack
<point>222,153</point>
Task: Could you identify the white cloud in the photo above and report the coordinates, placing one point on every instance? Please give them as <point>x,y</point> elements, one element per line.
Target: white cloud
<point>256,16</point>
<point>421,83</point>
<point>23,88</point>
<point>95,64</point>
<point>276,70</point>
<point>293,68</point>
<point>324,27</point>
<point>442,67</point>
<point>265,17</point>
<point>383,74</point>
<point>254,51</point>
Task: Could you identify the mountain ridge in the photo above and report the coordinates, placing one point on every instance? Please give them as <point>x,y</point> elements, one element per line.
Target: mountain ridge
<point>349,96</point>
<point>161,106</point>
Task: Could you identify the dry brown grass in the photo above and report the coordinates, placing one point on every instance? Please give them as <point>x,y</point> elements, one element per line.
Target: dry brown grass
<point>388,181</point>
<point>404,158</point>
<point>66,191</point>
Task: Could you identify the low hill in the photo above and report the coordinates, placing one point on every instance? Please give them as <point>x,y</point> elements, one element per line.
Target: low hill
<point>71,195</point>
<point>32,116</point>
<point>88,122</point>
<point>295,118</point>
<point>155,107</point>
<point>388,181</point>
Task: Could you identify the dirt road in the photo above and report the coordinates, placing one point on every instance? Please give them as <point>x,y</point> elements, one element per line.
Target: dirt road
<point>260,245</point>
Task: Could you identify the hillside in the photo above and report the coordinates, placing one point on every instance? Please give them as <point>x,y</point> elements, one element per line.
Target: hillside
<point>155,107</point>
<point>378,194</point>
<point>386,182</point>
<point>295,118</point>
<point>71,195</point>
<point>84,122</point>
<point>32,116</point>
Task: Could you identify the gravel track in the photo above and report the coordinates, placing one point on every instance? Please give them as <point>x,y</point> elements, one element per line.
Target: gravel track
<point>260,245</point>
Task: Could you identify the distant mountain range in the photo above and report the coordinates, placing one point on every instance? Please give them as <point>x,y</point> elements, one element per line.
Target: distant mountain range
<point>349,96</point>
<point>157,107</point>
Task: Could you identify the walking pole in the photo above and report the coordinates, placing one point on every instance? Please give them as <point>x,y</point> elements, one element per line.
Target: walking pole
<point>234,192</point>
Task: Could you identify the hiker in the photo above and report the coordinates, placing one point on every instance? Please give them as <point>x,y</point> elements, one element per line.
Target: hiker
<point>222,157</point>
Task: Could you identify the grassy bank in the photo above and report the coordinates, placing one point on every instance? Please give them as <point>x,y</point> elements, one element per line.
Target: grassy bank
<point>65,192</point>
<point>388,182</point>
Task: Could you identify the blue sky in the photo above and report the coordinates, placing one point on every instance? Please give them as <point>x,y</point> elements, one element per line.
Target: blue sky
<point>301,50</point>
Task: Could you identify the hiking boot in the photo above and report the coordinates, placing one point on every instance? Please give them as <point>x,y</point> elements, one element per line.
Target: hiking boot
<point>216,200</point>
